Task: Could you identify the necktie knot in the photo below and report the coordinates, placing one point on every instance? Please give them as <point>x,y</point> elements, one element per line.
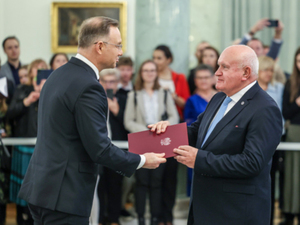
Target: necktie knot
<point>226,101</point>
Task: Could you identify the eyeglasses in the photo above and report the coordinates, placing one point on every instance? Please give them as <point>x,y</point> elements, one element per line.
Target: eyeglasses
<point>109,81</point>
<point>117,46</point>
<point>148,71</point>
<point>203,78</point>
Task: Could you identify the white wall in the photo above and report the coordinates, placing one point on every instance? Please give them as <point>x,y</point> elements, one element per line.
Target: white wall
<point>205,25</point>
<point>30,21</point>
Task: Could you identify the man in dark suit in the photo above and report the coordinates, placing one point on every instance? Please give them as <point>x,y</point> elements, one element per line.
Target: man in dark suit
<point>72,134</point>
<point>10,69</point>
<point>233,143</point>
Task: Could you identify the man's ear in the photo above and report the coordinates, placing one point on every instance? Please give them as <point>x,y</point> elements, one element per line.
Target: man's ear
<point>247,73</point>
<point>99,47</point>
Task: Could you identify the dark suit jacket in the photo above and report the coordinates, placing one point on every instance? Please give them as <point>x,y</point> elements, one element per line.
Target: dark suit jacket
<point>231,183</point>
<point>5,71</point>
<point>72,139</point>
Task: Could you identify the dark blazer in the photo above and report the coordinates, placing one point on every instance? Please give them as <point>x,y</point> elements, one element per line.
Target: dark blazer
<point>231,184</point>
<point>72,139</point>
<point>24,119</point>
<point>118,131</point>
<point>5,71</point>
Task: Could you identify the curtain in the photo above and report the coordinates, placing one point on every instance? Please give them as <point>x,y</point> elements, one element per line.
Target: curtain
<point>238,16</point>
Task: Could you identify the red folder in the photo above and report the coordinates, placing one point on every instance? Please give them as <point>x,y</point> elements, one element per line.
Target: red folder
<point>147,141</point>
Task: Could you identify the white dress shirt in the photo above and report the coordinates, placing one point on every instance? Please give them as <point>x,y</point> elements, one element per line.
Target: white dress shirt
<point>151,107</point>
<point>237,96</point>
<point>89,63</point>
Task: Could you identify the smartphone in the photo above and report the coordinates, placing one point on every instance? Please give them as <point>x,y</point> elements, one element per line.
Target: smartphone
<point>110,93</point>
<point>42,75</point>
<point>273,23</point>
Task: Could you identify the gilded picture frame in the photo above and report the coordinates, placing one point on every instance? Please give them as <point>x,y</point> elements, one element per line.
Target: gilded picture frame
<point>66,18</point>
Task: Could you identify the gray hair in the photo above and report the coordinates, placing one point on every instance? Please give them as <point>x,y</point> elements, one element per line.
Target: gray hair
<point>94,28</point>
<point>113,71</point>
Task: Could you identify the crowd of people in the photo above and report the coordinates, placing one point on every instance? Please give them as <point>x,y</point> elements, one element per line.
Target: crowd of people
<point>154,93</point>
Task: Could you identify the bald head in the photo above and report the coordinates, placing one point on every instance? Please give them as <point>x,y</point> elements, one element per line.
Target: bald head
<point>94,29</point>
<point>243,56</point>
<point>238,67</point>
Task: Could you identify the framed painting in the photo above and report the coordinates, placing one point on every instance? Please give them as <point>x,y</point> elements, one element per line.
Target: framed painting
<point>66,18</point>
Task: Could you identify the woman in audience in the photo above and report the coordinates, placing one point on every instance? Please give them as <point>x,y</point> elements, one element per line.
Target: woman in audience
<point>177,84</point>
<point>266,81</point>
<point>168,79</point>
<point>210,57</point>
<point>291,111</point>
<point>58,60</point>
<point>148,104</point>
<point>196,104</point>
<point>23,111</point>
<point>198,53</point>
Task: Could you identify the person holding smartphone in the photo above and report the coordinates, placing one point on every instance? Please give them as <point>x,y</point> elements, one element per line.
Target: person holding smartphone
<point>110,184</point>
<point>257,45</point>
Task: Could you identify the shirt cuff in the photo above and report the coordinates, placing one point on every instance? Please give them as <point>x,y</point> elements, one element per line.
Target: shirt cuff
<point>278,41</point>
<point>247,36</point>
<point>142,162</point>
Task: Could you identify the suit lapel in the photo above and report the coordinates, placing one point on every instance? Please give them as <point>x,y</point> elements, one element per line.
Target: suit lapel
<point>237,108</point>
<point>207,119</point>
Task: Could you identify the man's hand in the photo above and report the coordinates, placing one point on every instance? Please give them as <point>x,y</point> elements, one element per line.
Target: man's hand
<point>113,105</point>
<point>159,127</point>
<point>278,30</point>
<point>32,97</point>
<point>298,101</point>
<point>153,160</point>
<point>186,155</point>
<point>261,24</point>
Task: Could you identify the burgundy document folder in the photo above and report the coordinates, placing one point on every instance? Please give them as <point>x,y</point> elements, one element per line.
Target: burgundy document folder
<point>147,141</point>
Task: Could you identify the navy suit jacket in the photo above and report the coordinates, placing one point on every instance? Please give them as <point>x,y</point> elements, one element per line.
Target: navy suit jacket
<point>231,184</point>
<point>71,142</point>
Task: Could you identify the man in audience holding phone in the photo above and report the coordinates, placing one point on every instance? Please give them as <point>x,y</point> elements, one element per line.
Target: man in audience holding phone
<point>257,45</point>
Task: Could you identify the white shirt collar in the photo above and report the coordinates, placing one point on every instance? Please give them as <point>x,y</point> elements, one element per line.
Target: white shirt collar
<point>89,63</point>
<point>237,96</point>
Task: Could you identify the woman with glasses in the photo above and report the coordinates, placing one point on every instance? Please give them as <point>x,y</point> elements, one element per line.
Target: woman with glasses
<point>148,104</point>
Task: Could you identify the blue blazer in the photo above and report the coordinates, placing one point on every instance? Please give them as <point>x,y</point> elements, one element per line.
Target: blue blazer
<point>71,141</point>
<point>231,184</point>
